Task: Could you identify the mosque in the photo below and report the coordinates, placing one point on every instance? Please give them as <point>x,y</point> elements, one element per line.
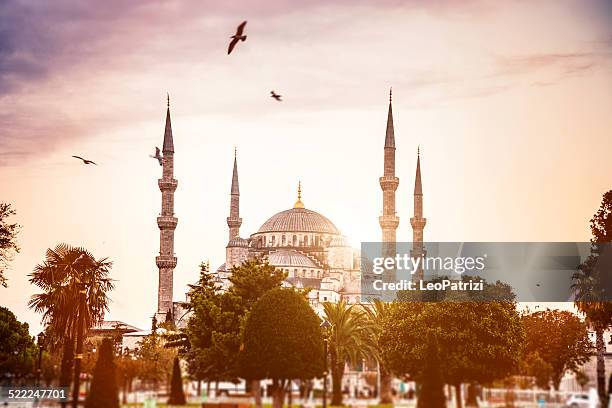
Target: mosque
<point>300,241</point>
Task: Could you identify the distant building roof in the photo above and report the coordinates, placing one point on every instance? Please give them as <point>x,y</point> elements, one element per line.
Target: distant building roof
<point>107,326</point>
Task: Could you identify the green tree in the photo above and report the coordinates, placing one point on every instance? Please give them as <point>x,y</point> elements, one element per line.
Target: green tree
<point>534,366</point>
<point>104,392</point>
<point>350,341</point>
<point>254,277</point>
<point>60,277</point>
<point>559,338</point>
<point>177,395</point>
<point>213,332</point>
<point>155,360</point>
<point>8,240</point>
<point>17,349</point>
<point>477,341</point>
<point>282,341</point>
<point>592,285</point>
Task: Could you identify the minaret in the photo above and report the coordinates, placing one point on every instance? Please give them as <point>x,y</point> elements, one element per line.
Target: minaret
<point>234,221</point>
<point>418,222</point>
<point>388,183</point>
<point>166,261</point>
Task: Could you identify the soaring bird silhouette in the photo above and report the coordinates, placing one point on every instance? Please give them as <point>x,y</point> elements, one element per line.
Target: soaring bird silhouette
<point>85,161</point>
<point>157,155</point>
<point>276,96</point>
<point>237,37</point>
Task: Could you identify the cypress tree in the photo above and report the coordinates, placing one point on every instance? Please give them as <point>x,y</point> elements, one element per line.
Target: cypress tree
<point>104,392</point>
<point>177,396</point>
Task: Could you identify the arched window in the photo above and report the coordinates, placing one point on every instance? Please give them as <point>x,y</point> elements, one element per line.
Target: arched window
<point>283,240</point>
<point>316,240</point>
<point>263,240</point>
<point>295,273</point>
<point>295,240</point>
<point>273,240</point>
<point>305,240</point>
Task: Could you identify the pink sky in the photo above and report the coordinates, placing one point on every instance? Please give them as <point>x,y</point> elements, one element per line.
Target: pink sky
<point>511,104</point>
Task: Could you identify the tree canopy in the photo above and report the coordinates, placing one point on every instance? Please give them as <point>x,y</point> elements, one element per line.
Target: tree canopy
<point>8,240</point>
<point>477,341</point>
<point>282,340</point>
<point>559,338</point>
<point>213,333</point>
<point>17,348</point>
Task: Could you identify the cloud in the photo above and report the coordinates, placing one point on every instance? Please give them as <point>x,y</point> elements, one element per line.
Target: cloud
<point>563,63</point>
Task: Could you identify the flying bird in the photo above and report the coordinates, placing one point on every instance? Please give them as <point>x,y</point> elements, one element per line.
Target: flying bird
<point>276,96</point>
<point>237,37</point>
<point>85,161</point>
<point>157,155</point>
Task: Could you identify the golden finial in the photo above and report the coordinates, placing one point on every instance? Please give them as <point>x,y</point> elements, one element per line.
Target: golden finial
<point>299,203</point>
<point>390,93</point>
<point>168,99</point>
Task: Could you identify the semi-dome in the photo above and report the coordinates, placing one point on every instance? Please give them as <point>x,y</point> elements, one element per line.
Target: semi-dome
<point>299,220</point>
<point>290,258</point>
<point>238,242</point>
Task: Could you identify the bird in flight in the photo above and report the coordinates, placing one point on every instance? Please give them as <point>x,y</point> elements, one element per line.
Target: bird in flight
<point>276,96</point>
<point>157,155</point>
<point>85,161</point>
<point>239,36</point>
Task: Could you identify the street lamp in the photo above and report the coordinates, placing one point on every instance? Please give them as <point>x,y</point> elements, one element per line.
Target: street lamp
<point>325,325</point>
<point>41,344</point>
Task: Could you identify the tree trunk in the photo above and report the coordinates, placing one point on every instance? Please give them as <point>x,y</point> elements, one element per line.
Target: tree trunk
<point>458,395</point>
<point>256,390</point>
<point>386,396</point>
<point>472,396</point>
<point>278,393</point>
<point>337,374</point>
<point>601,368</point>
<point>125,390</point>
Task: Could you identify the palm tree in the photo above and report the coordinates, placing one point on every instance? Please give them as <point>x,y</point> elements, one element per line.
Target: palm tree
<point>591,291</point>
<point>375,314</point>
<point>61,277</point>
<point>350,341</point>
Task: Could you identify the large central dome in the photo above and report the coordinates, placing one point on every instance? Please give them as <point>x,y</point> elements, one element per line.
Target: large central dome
<point>299,220</point>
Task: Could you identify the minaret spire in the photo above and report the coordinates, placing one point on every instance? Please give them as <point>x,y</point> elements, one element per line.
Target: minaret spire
<point>388,183</point>
<point>166,261</point>
<point>234,221</point>
<point>417,221</point>
<point>168,141</point>
<point>390,134</point>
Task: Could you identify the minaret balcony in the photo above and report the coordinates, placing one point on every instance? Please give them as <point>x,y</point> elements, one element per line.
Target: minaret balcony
<point>388,183</point>
<point>234,222</point>
<point>164,262</point>
<point>167,222</point>
<point>418,222</point>
<point>167,184</point>
<point>388,221</point>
